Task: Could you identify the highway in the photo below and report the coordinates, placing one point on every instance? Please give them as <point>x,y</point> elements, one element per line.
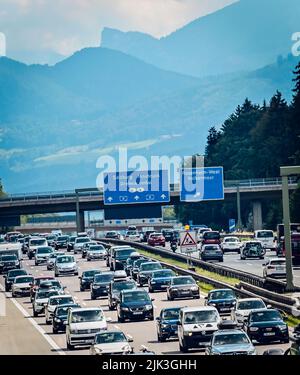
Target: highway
<point>24,334</point>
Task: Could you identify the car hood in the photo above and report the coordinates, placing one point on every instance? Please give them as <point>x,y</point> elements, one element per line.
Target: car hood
<point>100,284</point>
<point>41,300</point>
<point>233,348</point>
<point>89,325</point>
<point>159,279</point>
<point>42,255</point>
<point>22,285</point>
<point>183,286</point>
<point>267,324</point>
<point>197,327</point>
<point>66,265</point>
<point>113,347</point>
<point>230,300</point>
<point>136,304</point>
<point>245,312</point>
<point>171,321</point>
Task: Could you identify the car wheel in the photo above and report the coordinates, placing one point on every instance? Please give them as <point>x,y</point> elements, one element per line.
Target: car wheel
<point>183,348</point>
<point>35,314</point>
<point>171,298</point>
<point>88,259</point>
<point>151,318</point>
<point>54,331</point>
<point>7,289</point>
<point>120,319</point>
<point>286,341</point>
<point>48,322</point>
<point>69,346</point>
<point>243,258</point>
<point>82,289</point>
<point>56,274</point>
<point>93,297</point>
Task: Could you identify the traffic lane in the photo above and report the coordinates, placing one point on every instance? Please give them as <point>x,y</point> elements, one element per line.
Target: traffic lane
<point>16,330</point>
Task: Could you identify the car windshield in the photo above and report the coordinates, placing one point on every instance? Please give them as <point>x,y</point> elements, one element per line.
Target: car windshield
<point>82,240</point>
<point>37,242</point>
<point>132,233</point>
<point>231,339</point>
<point>171,314</point>
<point>155,235</point>
<point>138,262</point>
<point>277,262</point>
<point>123,285</point>
<point>110,337</point>
<point>231,239</point>
<point>183,281</point>
<point>65,259</point>
<point>60,300</point>
<point>72,239</point>
<point>97,248</point>
<point>24,279</point>
<point>44,250</point>
<point>104,278</point>
<point>211,248</point>
<point>50,238</point>
<point>7,258</point>
<point>43,294</point>
<point>150,266</point>
<point>211,235</point>
<point>137,296</point>
<point>111,233</point>
<point>265,316</point>
<point>123,253</point>
<point>39,281</point>
<point>87,316</point>
<point>203,316</point>
<point>222,294</point>
<point>63,310</point>
<point>91,273</point>
<point>15,273</point>
<point>265,234</point>
<point>62,238</point>
<point>50,284</point>
<point>249,305</point>
<point>254,246</point>
<point>163,273</point>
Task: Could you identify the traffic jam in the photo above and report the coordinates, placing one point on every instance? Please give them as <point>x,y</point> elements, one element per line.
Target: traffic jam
<point>98,298</point>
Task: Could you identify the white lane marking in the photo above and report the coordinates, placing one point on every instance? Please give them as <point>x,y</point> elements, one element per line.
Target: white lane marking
<point>84,304</point>
<point>249,264</point>
<point>155,306</point>
<point>116,327</point>
<point>35,324</point>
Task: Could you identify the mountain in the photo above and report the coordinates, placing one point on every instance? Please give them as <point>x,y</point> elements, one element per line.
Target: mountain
<point>243,36</point>
<point>55,122</point>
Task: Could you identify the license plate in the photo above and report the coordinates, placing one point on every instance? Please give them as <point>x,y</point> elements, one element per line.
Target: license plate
<point>269,334</point>
<point>224,309</point>
<point>280,268</point>
<point>138,313</point>
<point>164,286</point>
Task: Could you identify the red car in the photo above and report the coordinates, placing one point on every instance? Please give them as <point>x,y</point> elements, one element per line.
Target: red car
<point>37,281</point>
<point>211,237</point>
<point>156,239</point>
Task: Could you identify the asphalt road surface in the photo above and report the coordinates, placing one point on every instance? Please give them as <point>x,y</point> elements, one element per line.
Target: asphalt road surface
<point>23,334</point>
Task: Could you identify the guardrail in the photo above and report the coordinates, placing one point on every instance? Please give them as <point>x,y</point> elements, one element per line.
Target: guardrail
<point>283,303</point>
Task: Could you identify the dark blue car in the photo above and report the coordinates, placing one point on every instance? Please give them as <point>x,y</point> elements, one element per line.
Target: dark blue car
<point>167,323</point>
<point>224,300</point>
<point>160,280</point>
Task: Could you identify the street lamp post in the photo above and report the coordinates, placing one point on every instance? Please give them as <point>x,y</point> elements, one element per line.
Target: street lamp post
<point>285,172</point>
<point>238,202</point>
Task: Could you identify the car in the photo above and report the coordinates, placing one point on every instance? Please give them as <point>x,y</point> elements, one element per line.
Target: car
<point>60,315</point>
<point>266,237</point>
<point>8,262</point>
<point>160,280</point>
<point>145,272</point>
<point>231,244</point>
<point>115,288</point>
<point>51,238</point>
<point>71,242</point>
<point>21,286</point>
<point>147,234</point>
<point>129,262</point>
<point>11,275</point>
<point>112,234</point>
<point>211,252</point>
<point>111,342</point>
<point>83,324</point>
<point>34,243</point>
<point>295,347</point>
<point>79,242</point>
<point>224,300</point>
<point>182,287</point>
<point>275,267</point>
<point>211,237</point>
<point>136,265</point>
<point>120,275</point>
<point>100,284</point>
<point>65,265</point>
<point>196,326</point>
<point>119,258</point>
<point>135,305</point>
<point>111,251</point>
<point>252,249</point>
<point>54,301</point>
<point>42,254</point>
<point>132,235</point>
<point>230,342</point>
<point>168,234</point>
<point>52,258</point>
<point>167,323</point>
<point>62,242</point>
<point>201,231</point>
<point>36,284</point>
<point>156,239</point>
<point>267,325</point>
<point>41,300</point>
<point>87,278</point>
<point>245,306</point>
<point>97,252</point>
<point>53,285</point>
<point>86,247</point>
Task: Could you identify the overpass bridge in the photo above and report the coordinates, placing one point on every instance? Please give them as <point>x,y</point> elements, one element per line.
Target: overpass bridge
<point>90,199</point>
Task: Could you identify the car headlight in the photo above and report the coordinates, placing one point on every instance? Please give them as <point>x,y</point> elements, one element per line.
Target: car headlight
<point>148,307</point>
<point>125,308</point>
<point>282,327</point>
<point>164,326</point>
<point>214,352</point>
<point>153,282</point>
<point>98,350</point>
<point>57,320</point>
<point>194,288</point>
<point>253,329</point>
<point>188,333</point>
<point>126,348</point>
<point>213,304</point>
<point>73,331</point>
<point>173,289</point>
<point>252,352</point>
<point>96,286</point>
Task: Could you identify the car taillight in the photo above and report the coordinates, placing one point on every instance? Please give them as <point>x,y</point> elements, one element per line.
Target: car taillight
<point>271,267</point>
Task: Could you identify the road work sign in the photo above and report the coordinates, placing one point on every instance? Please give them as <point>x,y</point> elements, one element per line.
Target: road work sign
<point>188,242</point>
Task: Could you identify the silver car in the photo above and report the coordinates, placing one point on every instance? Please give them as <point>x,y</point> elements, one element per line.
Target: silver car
<point>65,265</point>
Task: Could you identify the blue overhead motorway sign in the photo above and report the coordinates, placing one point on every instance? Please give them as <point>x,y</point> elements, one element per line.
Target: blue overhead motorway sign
<point>201,184</point>
<point>136,187</point>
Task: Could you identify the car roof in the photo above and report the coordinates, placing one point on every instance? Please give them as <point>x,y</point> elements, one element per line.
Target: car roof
<point>45,277</point>
<point>272,259</point>
<point>263,310</point>
<point>62,296</point>
<point>220,290</point>
<point>229,331</point>
<point>249,299</point>
<point>199,308</point>
<point>21,276</point>
<point>87,309</point>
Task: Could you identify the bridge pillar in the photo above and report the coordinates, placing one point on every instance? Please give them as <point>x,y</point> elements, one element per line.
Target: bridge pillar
<point>257,215</point>
<point>80,221</point>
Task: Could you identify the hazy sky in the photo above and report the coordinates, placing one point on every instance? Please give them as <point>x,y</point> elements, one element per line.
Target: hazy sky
<point>40,30</point>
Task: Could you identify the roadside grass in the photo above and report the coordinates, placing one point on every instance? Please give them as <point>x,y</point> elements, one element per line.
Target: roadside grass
<point>206,287</point>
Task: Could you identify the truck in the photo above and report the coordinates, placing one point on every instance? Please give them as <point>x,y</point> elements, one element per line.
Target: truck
<point>11,249</point>
<point>295,240</point>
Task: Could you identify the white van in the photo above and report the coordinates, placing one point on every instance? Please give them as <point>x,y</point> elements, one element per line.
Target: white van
<point>266,237</point>
<point>196,326</point>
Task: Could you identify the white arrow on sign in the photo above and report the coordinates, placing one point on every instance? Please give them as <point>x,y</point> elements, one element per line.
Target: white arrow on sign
<point>136,197</point>
<point>163,196</point>
<point>110,199</point>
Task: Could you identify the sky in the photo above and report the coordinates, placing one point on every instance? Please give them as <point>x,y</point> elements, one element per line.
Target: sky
<point>45,31</point>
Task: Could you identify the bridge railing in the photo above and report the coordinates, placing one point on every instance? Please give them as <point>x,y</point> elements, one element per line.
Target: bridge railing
<point>173,188</point>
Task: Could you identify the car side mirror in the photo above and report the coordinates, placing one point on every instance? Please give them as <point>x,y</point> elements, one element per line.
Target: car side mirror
<point>4,277</point>
<point>206,297</point>
<point>158,318</point>
<point>269,306</point>
<point>129,338</point>
<point>152,299</point>
<point>64,287</point>
<point>109,320</point>
<point>179,323</point>
<point>284,318</point>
